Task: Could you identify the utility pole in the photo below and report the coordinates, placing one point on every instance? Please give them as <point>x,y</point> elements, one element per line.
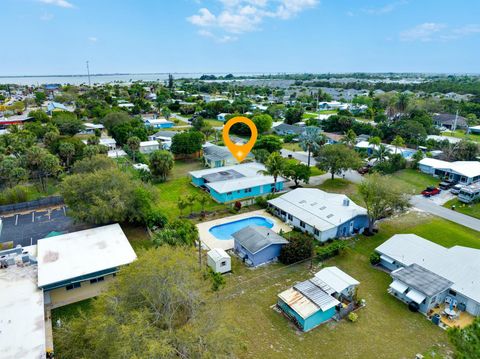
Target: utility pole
<point>88,73</point>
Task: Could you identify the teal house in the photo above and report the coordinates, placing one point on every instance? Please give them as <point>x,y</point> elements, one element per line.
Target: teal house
<point>236,183</point>
<point>319,299</point>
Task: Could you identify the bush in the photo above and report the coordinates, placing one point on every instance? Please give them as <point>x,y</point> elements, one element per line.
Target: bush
<point>330,250</point>
<point>299,248</point>
<point>374,258</point>
<point>218,280</point>
<point>261,202</point>
<point>353,317</point>
<point>15,194</point>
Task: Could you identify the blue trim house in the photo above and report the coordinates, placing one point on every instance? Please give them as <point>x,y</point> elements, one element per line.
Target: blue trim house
<point>236,183</point>
<point>317,300</point>
<point>257,245</point>
<point>158,123</point>
<point>324,215</point>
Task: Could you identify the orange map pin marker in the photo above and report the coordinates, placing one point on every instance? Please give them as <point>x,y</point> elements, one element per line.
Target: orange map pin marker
<point>240,152</point>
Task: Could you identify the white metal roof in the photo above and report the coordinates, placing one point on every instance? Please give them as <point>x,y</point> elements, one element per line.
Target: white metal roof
<point>317,208</point>
<point>22,322</point>
<point>416,296</point>
<point>81,253</point>
<point>218,254</point>
<point>464,168</point>
<point>459,265</point>
<point>149,143</point>
<point>336,278</point>
<point>399,286</point>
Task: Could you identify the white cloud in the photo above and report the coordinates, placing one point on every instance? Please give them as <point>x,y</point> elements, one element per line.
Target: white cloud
<point>60,3</point>
<point>424,32</point>
<point>242,16</point>
<point>438,32</point>
<point>387,8</point>
<point>92,39</point>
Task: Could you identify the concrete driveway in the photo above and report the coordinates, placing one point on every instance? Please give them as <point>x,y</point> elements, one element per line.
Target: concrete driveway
<point>300,156</point>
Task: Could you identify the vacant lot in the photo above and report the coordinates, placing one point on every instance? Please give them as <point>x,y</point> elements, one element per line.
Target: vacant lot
<point>413,181</point>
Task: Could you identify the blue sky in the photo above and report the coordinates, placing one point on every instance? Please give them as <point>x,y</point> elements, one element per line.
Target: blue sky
<point>58,36</point>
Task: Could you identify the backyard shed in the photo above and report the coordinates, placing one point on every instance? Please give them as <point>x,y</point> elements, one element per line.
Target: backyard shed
<point>219,260</point>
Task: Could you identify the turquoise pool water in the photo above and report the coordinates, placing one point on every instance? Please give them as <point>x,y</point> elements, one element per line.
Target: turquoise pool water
<point>225,231</point>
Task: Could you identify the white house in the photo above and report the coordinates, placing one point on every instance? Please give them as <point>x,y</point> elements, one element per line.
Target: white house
<point>89,128</point>
<point>322,214</point>
<point>147,147</point>
<point>429,274</point>
<point>222,117</point>
<point>219,260</point>
<point>464,172</point>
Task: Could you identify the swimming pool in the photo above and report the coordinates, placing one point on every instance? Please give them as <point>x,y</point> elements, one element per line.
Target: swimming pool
<point>408,153</point>
<point>225,231</point>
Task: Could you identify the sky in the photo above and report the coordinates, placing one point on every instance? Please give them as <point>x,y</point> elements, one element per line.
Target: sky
<point>46,37</point>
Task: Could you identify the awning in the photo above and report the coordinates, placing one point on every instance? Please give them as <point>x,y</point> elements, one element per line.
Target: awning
<point>416,296</point>
<point>383,257</point>
<point>399,286</point>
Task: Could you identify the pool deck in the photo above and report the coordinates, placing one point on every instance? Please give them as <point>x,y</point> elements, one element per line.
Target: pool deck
<point>211,242</point>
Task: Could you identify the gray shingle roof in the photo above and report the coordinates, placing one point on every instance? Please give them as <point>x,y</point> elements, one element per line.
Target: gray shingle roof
<point>422,280</point>
<point>216,153</point>
<point>449,119</point>
<point>256,238</point>
<point>284,127</point>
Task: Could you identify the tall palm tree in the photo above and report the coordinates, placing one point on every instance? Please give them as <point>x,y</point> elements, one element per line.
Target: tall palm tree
<point>350,138</point>
<point>311,140</point>
<point>274,166</point>
<point>398,141</point>
<point>380,153</point>
<point>402,102</point>
<point>134,144</point>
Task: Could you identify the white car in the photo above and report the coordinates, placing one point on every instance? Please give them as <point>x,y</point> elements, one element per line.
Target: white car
<point>456,189</point>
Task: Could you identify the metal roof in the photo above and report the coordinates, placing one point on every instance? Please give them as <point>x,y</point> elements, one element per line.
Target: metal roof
<point>458,264</point>
<point>218,254</point>
<point>336,279</point>
<point>299,303</point>
<point>422,279</point>
<point>315,294</point>
<point>219,176</point>
<point>256,238</point>
<point>317,208</point>
<point>464,168</point>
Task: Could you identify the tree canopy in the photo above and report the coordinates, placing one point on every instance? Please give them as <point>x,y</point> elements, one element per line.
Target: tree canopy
<point>337,158</point>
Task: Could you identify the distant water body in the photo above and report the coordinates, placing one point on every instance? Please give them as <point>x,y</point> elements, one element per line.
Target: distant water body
<point>101,79</point>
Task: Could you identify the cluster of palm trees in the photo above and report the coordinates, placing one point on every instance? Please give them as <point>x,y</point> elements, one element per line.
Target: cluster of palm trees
<point>190,200</point>
<point>380,151</point>
<point>311,140</point>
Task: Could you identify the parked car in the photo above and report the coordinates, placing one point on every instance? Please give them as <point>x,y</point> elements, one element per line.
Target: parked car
<point>456,189</point>
<point>364,170</point>
<point>446,185</point>
<point>430,191</point>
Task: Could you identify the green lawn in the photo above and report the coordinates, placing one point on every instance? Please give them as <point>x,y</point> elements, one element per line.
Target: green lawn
<point>413,181</point>
<point>339,185</point>
<point>328,112</point>
<point>181,168</point>
<point>462,134</point>
<point>292,146</point>
<point>214,123</point>
<point>468,209</point>
<point>385,329</point>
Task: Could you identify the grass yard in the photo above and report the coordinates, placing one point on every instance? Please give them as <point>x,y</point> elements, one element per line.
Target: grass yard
<point>315,171</point>
<point>308,115</point>
<point>472,209</point>
<point>413,181</point>
<point>340,185</point>
<point>328,112</point>
<point>463,135</point>
<point>138,237</point>
<point>172,190</point>
<point>385,328</point>
<point>292,146</point>
<point>214,123</point>
<point>181,168</point>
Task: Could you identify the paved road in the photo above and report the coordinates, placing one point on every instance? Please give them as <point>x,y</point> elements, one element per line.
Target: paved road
<point>429,206</point>
<point>301,156</point>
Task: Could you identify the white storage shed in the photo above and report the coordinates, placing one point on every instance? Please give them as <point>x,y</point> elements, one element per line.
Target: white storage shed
<point>219,260</point>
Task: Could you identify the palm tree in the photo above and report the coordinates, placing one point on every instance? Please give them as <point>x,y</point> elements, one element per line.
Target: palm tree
<point>311,140</point>
<point>380,153</point>
<point>202,200</point>
<point>191,198</point>
<point>274,166</point>
<point>134,144</point>
<point>398,141</point>
<point>402,102</point>
<point>350,138</point>
<point>182,204</point>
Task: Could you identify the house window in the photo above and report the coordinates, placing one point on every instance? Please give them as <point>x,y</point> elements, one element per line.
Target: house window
<point>223,264</point>
<point>248,190</point>
<point>316,232</point>
<point>433,299</point>
<point>290,217</point>
<point>452,292</point>
<point>73,286</point>
<point>302,224</point>
<point>283,213</point>
<point>229,193</point>
<point>96,280</point>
